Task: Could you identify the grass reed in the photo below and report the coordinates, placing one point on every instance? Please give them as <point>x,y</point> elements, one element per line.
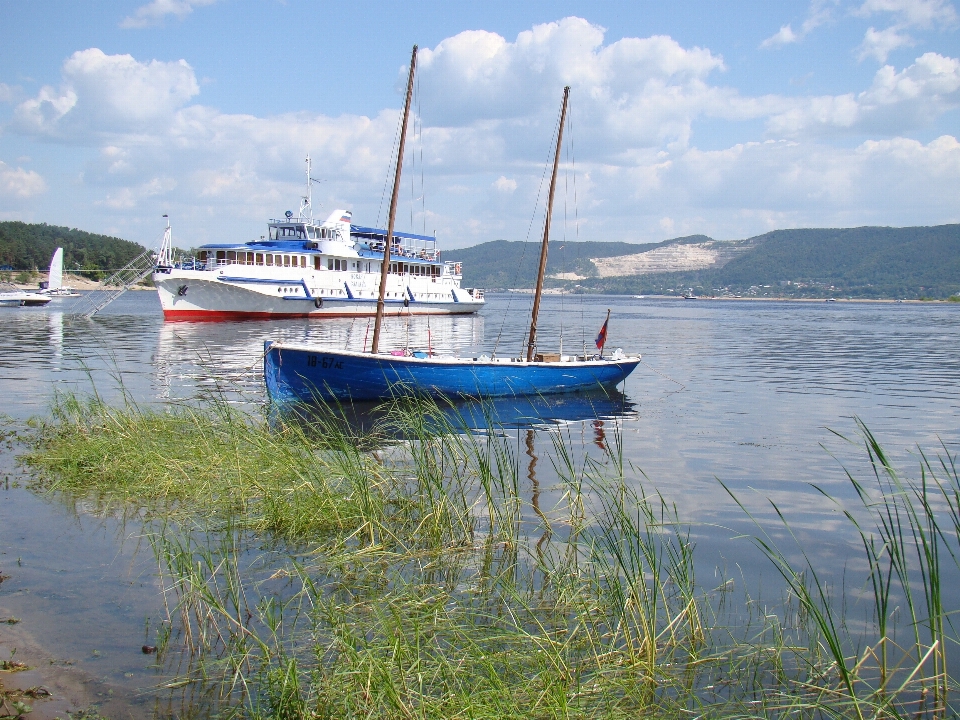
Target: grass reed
<point>311,571</point>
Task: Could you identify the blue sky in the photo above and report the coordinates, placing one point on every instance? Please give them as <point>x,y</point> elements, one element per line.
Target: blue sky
<point>728,119</point>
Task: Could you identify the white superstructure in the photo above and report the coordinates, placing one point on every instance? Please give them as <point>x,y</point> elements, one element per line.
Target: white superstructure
<point>305,268</point>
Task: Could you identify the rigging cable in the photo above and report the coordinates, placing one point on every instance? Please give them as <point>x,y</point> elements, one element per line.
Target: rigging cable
<point>526,241</point>
<point>576,224</point>
<point>392,165</point>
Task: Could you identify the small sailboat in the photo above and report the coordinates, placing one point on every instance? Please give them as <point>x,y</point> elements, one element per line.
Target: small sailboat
<point>53,287</point>
<point>295,372</point>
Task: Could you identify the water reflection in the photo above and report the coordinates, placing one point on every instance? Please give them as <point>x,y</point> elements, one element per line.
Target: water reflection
<point>377,424</point>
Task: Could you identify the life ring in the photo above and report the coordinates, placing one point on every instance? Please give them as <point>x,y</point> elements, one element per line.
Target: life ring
<point>318,303</point>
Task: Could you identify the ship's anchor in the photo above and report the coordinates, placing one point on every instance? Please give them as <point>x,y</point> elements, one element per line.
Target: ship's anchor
<point>182,290</point>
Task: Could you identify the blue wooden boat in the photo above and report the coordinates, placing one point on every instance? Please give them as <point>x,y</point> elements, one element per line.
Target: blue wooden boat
<point>305,373</point>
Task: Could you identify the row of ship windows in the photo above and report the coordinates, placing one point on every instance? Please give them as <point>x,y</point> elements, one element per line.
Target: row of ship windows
<point>269,259</point>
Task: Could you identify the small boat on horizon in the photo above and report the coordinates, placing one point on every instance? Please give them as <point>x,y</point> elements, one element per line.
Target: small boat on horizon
<point>307,373</point>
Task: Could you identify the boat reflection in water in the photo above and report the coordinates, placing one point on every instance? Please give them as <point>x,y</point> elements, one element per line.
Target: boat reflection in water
<point>385,423</point>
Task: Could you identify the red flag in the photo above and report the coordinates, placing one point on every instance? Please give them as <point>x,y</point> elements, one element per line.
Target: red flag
<point>602,336</point>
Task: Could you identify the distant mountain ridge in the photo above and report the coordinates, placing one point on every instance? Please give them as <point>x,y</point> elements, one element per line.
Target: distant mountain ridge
<point>861,262</point>
<point>26,246</point>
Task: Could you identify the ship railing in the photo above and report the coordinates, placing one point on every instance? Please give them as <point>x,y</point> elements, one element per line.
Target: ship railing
<point>451,267</point>
<point>406,251</point>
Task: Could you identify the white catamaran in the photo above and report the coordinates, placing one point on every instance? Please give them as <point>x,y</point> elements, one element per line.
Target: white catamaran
<point>305,268</point>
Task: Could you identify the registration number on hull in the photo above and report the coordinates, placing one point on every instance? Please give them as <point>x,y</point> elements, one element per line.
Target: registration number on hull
<point>324,362</point>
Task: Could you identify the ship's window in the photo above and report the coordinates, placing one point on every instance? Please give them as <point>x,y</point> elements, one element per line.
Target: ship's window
<point>202,256</point>
<point>316,262</point>
<point>273,233</point>
<point>303,261</point>
<point>286,261</point>
<point>259,259</point>
<point>269,259</point>
<point>329,263</point>
<point>231,256</point>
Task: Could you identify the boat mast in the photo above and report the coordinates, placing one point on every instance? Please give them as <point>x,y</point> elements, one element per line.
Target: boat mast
<point>385,267</point>
<point>532,343</point>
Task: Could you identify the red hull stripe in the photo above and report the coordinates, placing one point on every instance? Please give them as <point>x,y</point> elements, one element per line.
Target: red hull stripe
<point>216,315</point>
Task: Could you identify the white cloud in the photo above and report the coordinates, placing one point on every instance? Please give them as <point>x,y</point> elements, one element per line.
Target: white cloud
<point>153,13</point>
<point>821,12</point>
<point>636,87</point>
<point>108,93</point>
<point>912,13</point>
<point>489,106</point>
<point>20,184</point>
<point>879,44</point>
<point>785,36</point>
<point>894,103</point>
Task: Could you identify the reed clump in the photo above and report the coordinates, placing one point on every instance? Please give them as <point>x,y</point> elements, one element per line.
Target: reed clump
<point>314,572</point>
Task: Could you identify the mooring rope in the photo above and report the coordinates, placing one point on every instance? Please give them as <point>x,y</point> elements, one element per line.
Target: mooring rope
<point>666,377</point>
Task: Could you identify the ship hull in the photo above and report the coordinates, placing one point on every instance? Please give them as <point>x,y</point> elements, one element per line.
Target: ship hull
<point>206,295</point>
<point>305,374</point>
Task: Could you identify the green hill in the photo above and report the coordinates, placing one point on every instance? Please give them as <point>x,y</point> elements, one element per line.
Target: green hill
<point>26,246</point>
<point>513,264</point>
<point>866,262</point>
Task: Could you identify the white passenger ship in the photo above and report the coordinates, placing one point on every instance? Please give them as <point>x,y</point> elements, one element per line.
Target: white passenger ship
<point>305,268</point>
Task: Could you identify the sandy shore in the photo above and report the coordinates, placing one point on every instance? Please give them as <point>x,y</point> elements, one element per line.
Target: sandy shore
<point>77,282</point>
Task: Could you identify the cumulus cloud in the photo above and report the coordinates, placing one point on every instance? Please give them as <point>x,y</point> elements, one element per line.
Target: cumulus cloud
<point>489,106</point>
<point>895,102</point>
<point>19,183</point>
<point>644,90</point>
<point>878,44</point>
<point>108,93</point>
<point>155,12</point>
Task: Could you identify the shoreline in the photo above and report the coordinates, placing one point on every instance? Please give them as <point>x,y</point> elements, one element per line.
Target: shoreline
<point>892,301</point>
<point>76,282</point>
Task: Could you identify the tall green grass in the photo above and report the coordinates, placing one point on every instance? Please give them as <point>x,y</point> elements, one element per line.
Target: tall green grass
<point>311,571</point>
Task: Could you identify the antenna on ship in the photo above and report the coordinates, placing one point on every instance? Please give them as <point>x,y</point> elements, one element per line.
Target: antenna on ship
<point>306,202</point>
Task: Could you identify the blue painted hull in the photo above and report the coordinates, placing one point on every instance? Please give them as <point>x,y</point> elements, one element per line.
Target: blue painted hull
<point>304,373</point>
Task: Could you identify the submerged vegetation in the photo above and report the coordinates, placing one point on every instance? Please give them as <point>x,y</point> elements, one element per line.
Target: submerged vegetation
<point>311,571</point>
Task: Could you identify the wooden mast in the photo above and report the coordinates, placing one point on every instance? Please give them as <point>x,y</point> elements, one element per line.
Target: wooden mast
<point>385,268</point>
<point>532,343</point>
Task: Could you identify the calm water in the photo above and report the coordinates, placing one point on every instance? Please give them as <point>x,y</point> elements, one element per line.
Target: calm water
<point>744,392</point>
